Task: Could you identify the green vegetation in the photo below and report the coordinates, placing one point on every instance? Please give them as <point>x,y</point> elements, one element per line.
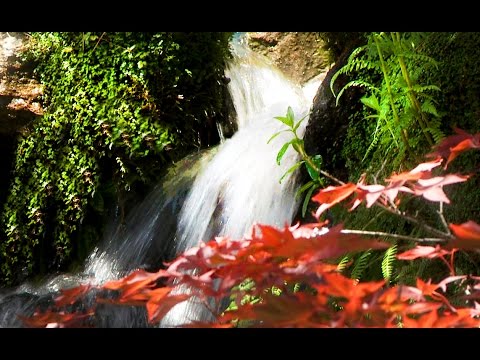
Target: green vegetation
<point>412,85</point>
<point>118,108</point>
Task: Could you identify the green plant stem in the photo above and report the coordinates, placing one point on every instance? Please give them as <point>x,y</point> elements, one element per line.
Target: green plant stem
<point>390,96</point>
<point>309,161</point>
<point>422,120</point>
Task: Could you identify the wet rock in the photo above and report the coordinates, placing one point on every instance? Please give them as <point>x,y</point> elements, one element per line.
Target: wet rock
<point>298,54</point>
<point>19,92</point>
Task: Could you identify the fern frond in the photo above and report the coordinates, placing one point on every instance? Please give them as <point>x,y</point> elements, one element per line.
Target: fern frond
<point>422,88</point>
<point>434,129</point>
<point>388,262</point>
<point>359,83</point>
<point>361,264</point>
<point>374,142</point>
<point>343,262</point>
<point>420,57</point>
<point>429,108</point>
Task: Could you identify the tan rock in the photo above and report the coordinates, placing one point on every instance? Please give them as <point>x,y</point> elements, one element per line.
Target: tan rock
<point>298,54</point>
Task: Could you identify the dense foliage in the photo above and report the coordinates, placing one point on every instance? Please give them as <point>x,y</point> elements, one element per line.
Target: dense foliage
<point>118,106</point>
<point>422,88</point>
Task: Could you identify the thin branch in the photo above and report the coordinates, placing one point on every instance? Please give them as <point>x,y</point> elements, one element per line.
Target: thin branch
<point>395,236</point>
<point>426,227</point>
<point>98,41</point>
<point>442,218</point>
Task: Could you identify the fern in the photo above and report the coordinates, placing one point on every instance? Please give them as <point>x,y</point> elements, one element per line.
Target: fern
<point>400,104</point>
<point>388,261</point>
<point>342,265</point>
<point>360,265</point>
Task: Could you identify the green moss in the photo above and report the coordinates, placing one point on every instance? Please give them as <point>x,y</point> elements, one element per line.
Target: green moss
<point>118,108</point>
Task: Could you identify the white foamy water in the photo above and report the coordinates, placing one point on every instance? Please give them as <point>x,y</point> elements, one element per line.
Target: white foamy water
<point>240,185</point>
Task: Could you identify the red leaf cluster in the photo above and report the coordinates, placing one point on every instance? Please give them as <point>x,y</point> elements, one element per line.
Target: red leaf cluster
<point>418,182</point>
<point>282,257</point>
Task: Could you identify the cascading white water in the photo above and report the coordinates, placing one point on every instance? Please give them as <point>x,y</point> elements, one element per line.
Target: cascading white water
<point>240,185</point>
<point>234,186</point>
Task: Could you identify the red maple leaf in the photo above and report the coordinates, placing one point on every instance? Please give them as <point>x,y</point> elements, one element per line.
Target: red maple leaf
<point>454,145</point>
<point>161,301</point>
<point>467,235</point>
<point>70,296</point>
<point>55,318</point>
<point>332,195</point>
<point>419,251</point>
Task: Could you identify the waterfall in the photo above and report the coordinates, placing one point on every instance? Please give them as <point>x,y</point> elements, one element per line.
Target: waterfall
<point>219,192</point>
<point>240,185</point>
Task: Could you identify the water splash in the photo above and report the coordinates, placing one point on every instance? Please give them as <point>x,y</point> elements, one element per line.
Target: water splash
<point>240,185</point>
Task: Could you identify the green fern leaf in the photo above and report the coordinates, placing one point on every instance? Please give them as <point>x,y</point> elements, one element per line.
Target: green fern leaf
<point>388,262</point>
<point>361,264</point>
<point>343,262</point>
<point>429,108</point>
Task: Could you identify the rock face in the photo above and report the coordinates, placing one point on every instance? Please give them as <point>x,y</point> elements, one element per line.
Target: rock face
<point>18,91</point>
<point>19,104</point>
<point>298,54</point>
<point>328,124</point>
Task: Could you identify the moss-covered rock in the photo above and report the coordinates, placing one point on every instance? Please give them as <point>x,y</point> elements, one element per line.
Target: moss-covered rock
<point>118,107</point>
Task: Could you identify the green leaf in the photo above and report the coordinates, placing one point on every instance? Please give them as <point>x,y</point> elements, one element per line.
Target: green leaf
<point>284,120</point>
<point>304,188</point>
<point>307,200</point>
<point>290,116</point>
<point>275,135</point>
<point>317,160</point>
<point>292,169</point>
<point>282,151</point>
<point>343,262</point>
<point>388,261</point>
<point>360,265</point>
<point>298,124</point>
<point>371,101</point>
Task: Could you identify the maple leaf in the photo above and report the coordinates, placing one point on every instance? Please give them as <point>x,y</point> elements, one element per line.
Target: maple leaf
<point>421,171</point>
<point>420,251</point>
<point>70,296</point>
<point>52,318</point>
<point>287,310</point>
<point>467,235</point>
<point>160,302</point>
<point>432,189</point>
<point>332,195</point>
<point>133,288</point>
<point>369,193</point>
<point>454,145</point>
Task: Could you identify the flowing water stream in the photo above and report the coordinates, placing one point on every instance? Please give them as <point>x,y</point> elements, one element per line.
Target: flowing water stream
<point>219,192</point>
